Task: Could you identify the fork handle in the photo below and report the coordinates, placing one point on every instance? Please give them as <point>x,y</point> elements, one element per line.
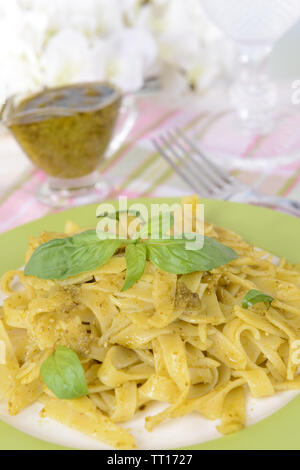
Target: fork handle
<point>287,205</point>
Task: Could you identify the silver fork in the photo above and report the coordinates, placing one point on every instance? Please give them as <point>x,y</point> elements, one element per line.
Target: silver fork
<point>209,180</point>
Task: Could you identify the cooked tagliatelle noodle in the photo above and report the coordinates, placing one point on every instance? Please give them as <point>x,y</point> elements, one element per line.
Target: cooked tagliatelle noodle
<point>183,340</point>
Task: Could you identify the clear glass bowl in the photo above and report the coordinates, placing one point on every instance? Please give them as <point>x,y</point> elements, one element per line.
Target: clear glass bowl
<point>67,132</point>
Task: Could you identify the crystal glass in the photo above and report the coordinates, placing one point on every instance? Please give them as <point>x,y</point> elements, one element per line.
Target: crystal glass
<point>67,132</point>
<point>254,26</point>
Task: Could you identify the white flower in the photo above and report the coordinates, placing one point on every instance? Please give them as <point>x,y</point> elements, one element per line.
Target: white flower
<point>55,42</point>
<point>186,42</point>
<point>22,29</point>
<point>66,58</point>
<point>20,74</point>
<point>136,42</point>
<point>91,17</point>
<point>126,72</point>
<point>124,58</point>
<point>179,49</point>
<point>21,41</point>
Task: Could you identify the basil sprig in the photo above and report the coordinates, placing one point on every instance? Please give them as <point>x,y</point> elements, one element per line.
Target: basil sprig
<point>63,374</point>
<point>173,257</point>
<point>62,258</point>
<point>254,296</point>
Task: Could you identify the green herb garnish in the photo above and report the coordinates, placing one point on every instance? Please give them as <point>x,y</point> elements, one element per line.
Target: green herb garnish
<point>63,374</point>
<point>135,264</point>
<point>65,257</point>
<point>173,257</point>
<point>62,258</point>
<point>254,296</point>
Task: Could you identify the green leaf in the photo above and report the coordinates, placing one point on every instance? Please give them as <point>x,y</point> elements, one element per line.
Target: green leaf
<point>65,257</point>
<point>63,374</point>
<point>254,296</point>
<point>173,257</point>
<point>135,264</point>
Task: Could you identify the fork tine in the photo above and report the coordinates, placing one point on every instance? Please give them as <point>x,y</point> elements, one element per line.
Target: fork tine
<point>216,182</point>
<point>222,174</point>
<point>178,169</point>
<point>188,163</point>
<point>177,164</point>
<point>169,160</point>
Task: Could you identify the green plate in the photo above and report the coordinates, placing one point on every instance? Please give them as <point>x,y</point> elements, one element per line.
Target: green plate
<point>273,231</point>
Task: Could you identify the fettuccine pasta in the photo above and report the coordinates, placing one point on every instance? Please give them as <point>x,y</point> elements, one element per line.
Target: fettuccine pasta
<point>183,340</point>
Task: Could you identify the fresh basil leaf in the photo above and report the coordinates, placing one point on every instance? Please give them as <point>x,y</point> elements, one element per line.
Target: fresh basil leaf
<point>65,257</point>
<point>135,264</point>
<point>179,239</point>
<point>173,257</point>
<point>254,296</point>
<point>63,374</point>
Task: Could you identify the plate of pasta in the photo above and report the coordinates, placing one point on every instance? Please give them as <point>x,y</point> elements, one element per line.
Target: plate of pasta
<point>106,343</point>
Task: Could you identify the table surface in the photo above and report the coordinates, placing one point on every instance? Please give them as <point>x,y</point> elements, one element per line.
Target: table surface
<point>137,169</point>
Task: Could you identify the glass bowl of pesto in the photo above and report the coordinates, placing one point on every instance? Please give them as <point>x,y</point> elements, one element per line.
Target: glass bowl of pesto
<point>67,132</point>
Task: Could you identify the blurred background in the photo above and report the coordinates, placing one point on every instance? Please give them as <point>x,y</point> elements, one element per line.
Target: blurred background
<point>169,54</point>
<point>128,42</point>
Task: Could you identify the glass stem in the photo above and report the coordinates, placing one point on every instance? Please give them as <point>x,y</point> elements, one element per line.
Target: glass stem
<point>253,94</point>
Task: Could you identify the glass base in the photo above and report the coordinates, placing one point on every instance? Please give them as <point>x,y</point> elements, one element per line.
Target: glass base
<point>57,192</point>
<point>229,145</point>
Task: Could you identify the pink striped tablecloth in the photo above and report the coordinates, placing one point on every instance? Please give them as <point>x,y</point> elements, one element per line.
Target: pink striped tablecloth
<point>138,170</point>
